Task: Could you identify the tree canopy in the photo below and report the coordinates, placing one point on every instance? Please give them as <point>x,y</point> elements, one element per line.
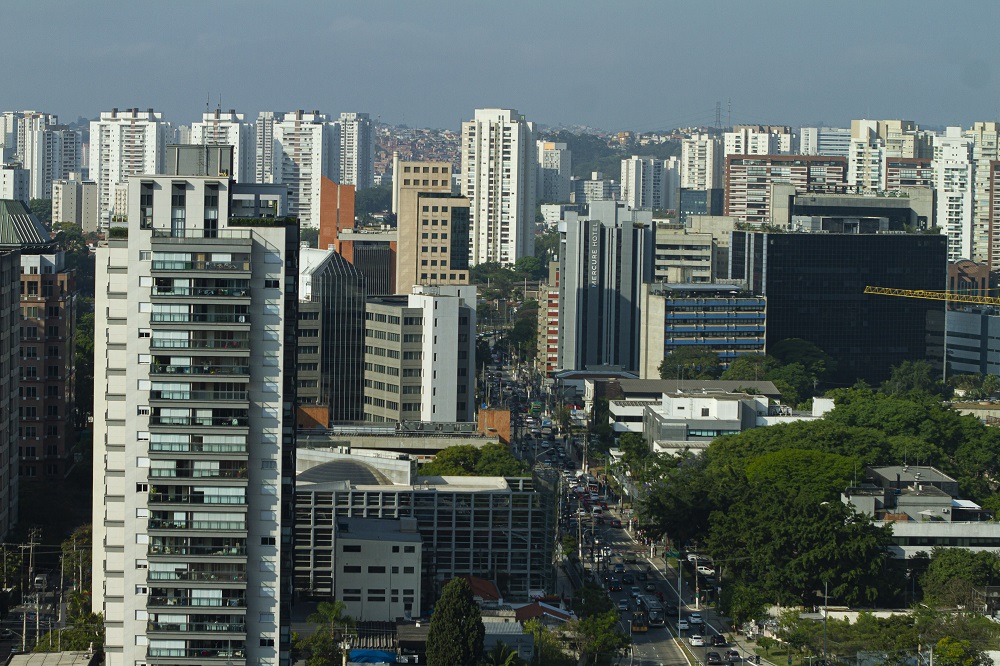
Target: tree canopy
<point>691,363</point>
<point>468,460</point>
<point>456,632</point>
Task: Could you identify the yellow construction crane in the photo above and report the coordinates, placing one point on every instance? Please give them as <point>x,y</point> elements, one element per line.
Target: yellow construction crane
<point>934,295</point>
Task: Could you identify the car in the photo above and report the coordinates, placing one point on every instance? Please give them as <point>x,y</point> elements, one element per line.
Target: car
<point>616,523</point>
<point>7,633</point>
<point>695,618</point>
<point>705,571</point>
<point>733,655</point>
<point>641,576</point>
<point>692,557</point>
<point>696,641</point>
<point>635,591</point>
<point>718,640</point>
<point>713,658</point>
<point>628,579</point>
<point>630,558</point>
<point>614,586</point>
<point>682,625</point>
<point>650,587</point>
<point>623,605</point>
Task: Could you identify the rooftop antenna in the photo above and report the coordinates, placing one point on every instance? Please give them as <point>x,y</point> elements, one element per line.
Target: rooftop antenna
<point>718,115</point>
<point>729,119</point>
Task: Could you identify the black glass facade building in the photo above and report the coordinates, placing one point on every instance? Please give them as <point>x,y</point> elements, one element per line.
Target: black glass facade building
<point>814,285</point>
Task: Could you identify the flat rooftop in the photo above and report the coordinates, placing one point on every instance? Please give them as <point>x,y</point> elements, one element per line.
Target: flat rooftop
<point>912,474</point>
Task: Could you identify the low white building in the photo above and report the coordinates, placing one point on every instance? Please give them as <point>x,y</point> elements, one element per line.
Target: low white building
<point>378,567</point>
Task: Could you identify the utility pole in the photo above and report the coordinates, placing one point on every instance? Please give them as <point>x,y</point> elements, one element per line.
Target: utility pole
<point>35,534</point>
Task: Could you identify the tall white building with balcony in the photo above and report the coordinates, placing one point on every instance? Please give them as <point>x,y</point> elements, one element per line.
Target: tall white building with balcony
<point>51,153</point>
<point>307,149</point>
<point>830,141</point>
<point>357,150</point>
<point>758,140</point>
<point>649,183</point>
<point>702,163</point>
<point>124,143</point>
<point>194,454</point>
<point>498,177</point>
<point>953,185</point>
<point>227,128</point>
<point>555,168</point>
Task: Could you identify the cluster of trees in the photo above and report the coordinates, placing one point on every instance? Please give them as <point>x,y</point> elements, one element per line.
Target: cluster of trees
<point>795,367</point>
<point>323,646</point>
<point>958,639</point>
<point>83,628</point>
<point>773,495</point>
<point>468,460</point>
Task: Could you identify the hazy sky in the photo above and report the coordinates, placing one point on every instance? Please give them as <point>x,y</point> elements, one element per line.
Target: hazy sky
<point>614,65</point>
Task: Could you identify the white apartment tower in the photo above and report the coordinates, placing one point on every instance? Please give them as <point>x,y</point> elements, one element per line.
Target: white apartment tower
<point>357,150</point>
<point>758,140</point>
<point>555,167</point>
<point>14,182</point>
<point>122,144</point>
<point>985,137</point>
<point>498,177</point>
<point>646,181</point>
<point>74,201</point>
<point>227,128</point>
<point>702,163</point>
<point>194,424</point>
<point>307,145</point>
<point>953,181</point>
<point>50,153</point>
<point>267,155</point>
<point>830,141</point>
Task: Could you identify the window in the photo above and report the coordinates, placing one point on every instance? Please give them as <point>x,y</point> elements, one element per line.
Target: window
<point>376,570</point>
<point>267,642</point>
<point>350,548</point>
<point>352,569</point>
<point>407,570</point>
<point>267,541</point>
<point>272,284</point>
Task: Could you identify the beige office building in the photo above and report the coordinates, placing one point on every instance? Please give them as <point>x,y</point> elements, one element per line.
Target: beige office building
<point>432,226</point>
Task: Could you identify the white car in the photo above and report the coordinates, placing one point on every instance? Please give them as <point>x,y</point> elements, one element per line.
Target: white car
<point>705,571</point>
<point>695,618</point>
<point>697,641</point>
<point>682,625</point>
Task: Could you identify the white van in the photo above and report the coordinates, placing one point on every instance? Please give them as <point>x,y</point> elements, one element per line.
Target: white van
<point>597,511</point>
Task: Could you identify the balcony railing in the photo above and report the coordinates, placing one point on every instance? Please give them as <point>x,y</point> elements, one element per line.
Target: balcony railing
<point>196,447</point>
<point>200,576</point>
<point>172,498</point>
<point>221,551</point>
<point>232,421</point>
<point>174,524</point>
<point>212,627</point>
<point>208,396</point>
<point>160,265</point>
<point>198,291</point>
<point>199,318</point>
<point>201,233</point>
<point>196,653</point>
<point>226,370</point>
<point>199,473</point>
<point>199,344</point>
<point>230,602</point>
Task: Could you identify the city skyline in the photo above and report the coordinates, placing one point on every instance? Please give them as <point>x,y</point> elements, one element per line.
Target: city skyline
<point>774,61</point>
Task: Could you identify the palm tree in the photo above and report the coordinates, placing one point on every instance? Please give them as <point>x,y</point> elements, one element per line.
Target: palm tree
<point>332,626</point>
<point>501,655</point>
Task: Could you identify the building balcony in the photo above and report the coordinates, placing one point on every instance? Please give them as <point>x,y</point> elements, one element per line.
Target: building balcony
<point>197,627</point>
<point>215,576</point>
<point>221,344</point>
<point>221,655</point>
<point>186,499</point>
<point>199,292</point>
<point>200,318</point>
<point>203,396</point>
<point>198,602</point>
<point>198,447</point>
<point>193,524</point>
<point>203,421</point>
<point>225,369</point>
<point>223,266</point>
<point>208,550</point>
<point>199,235</point>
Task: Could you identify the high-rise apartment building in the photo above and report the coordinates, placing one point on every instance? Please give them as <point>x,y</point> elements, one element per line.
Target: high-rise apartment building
<point>985,138</point>
<point>122,144</point>
<point>74,201</point>
<point>10,317</point>
<point>307,145</point>
<point>547,356</point>
<point>432,226</point>
<point>555,167</point>
<point>751,181</point>
<point>646,183</point>
<point>702,163</point>
<point>604,258</point>
<point>48,151</point>
<point>874,141</point>
<point>227,128</point>
<point>953,181</point>
<point>829,141</point>
<point>758,140</point>
<point>48,319</point>
<point>194,424</point>
<point>498,177</point>
<point>420,355</point>
<point>596,188</point>
<point>267,156</point>
<point>14,182</point>
<point>357,150</point>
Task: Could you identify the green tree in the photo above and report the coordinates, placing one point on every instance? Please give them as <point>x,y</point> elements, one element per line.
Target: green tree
<point>691,363</point>
<point>600,634</point>
<point>750,368</point>
<point>742,602</point>
<point>590,600</point>
<point>309,236</point>
<point>796,350</point>
<point>959,652</point>
<point>548,648</point>
<point>531,268</point>
<point>953,572</point>
<point>83,632</point>
<point>794,382</point>
<point>42,209</point>
<point>493,459</point>
<point>501,655</point>
<point>331,625</point>
<point>914,377</point>
<point>456,633</point>
<point>547,247</point>
<point>372,200</point>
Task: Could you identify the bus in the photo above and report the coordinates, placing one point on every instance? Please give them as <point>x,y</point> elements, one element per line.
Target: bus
<point>640,623</point>
<point>655,610</point>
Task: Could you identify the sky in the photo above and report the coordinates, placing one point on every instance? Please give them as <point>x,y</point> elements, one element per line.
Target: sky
<point>614,65</point>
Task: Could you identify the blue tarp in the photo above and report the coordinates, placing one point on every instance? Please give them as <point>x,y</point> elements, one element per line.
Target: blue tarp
<point>372,657</point>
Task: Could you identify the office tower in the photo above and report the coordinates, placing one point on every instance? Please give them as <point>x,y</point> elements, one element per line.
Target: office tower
<point>645,183</point>
<point>307,145</point>
<point>720,318</point>
<point>10,321</point>
<point>953,181</point>
<point>758,140</point>
<point>420,355</point>
<point>755,183</point>
<point>331,339</point>
<point>985,144</point>
<point>498,177</point>
<point>357,150</point>
<point>14,182</point>
<point>267,156</point>
<point>227,128</point>
<point>555,167</point>
<point>122,144</point>
<point>48,319</point>
<point>702,163</point>
<point>194,424</point>
<point>814,285</point>
<point>603,259</point>
<point>829,141</point>
<point>597,188</point>
<point>336,214</point>
<point>432,226</point>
